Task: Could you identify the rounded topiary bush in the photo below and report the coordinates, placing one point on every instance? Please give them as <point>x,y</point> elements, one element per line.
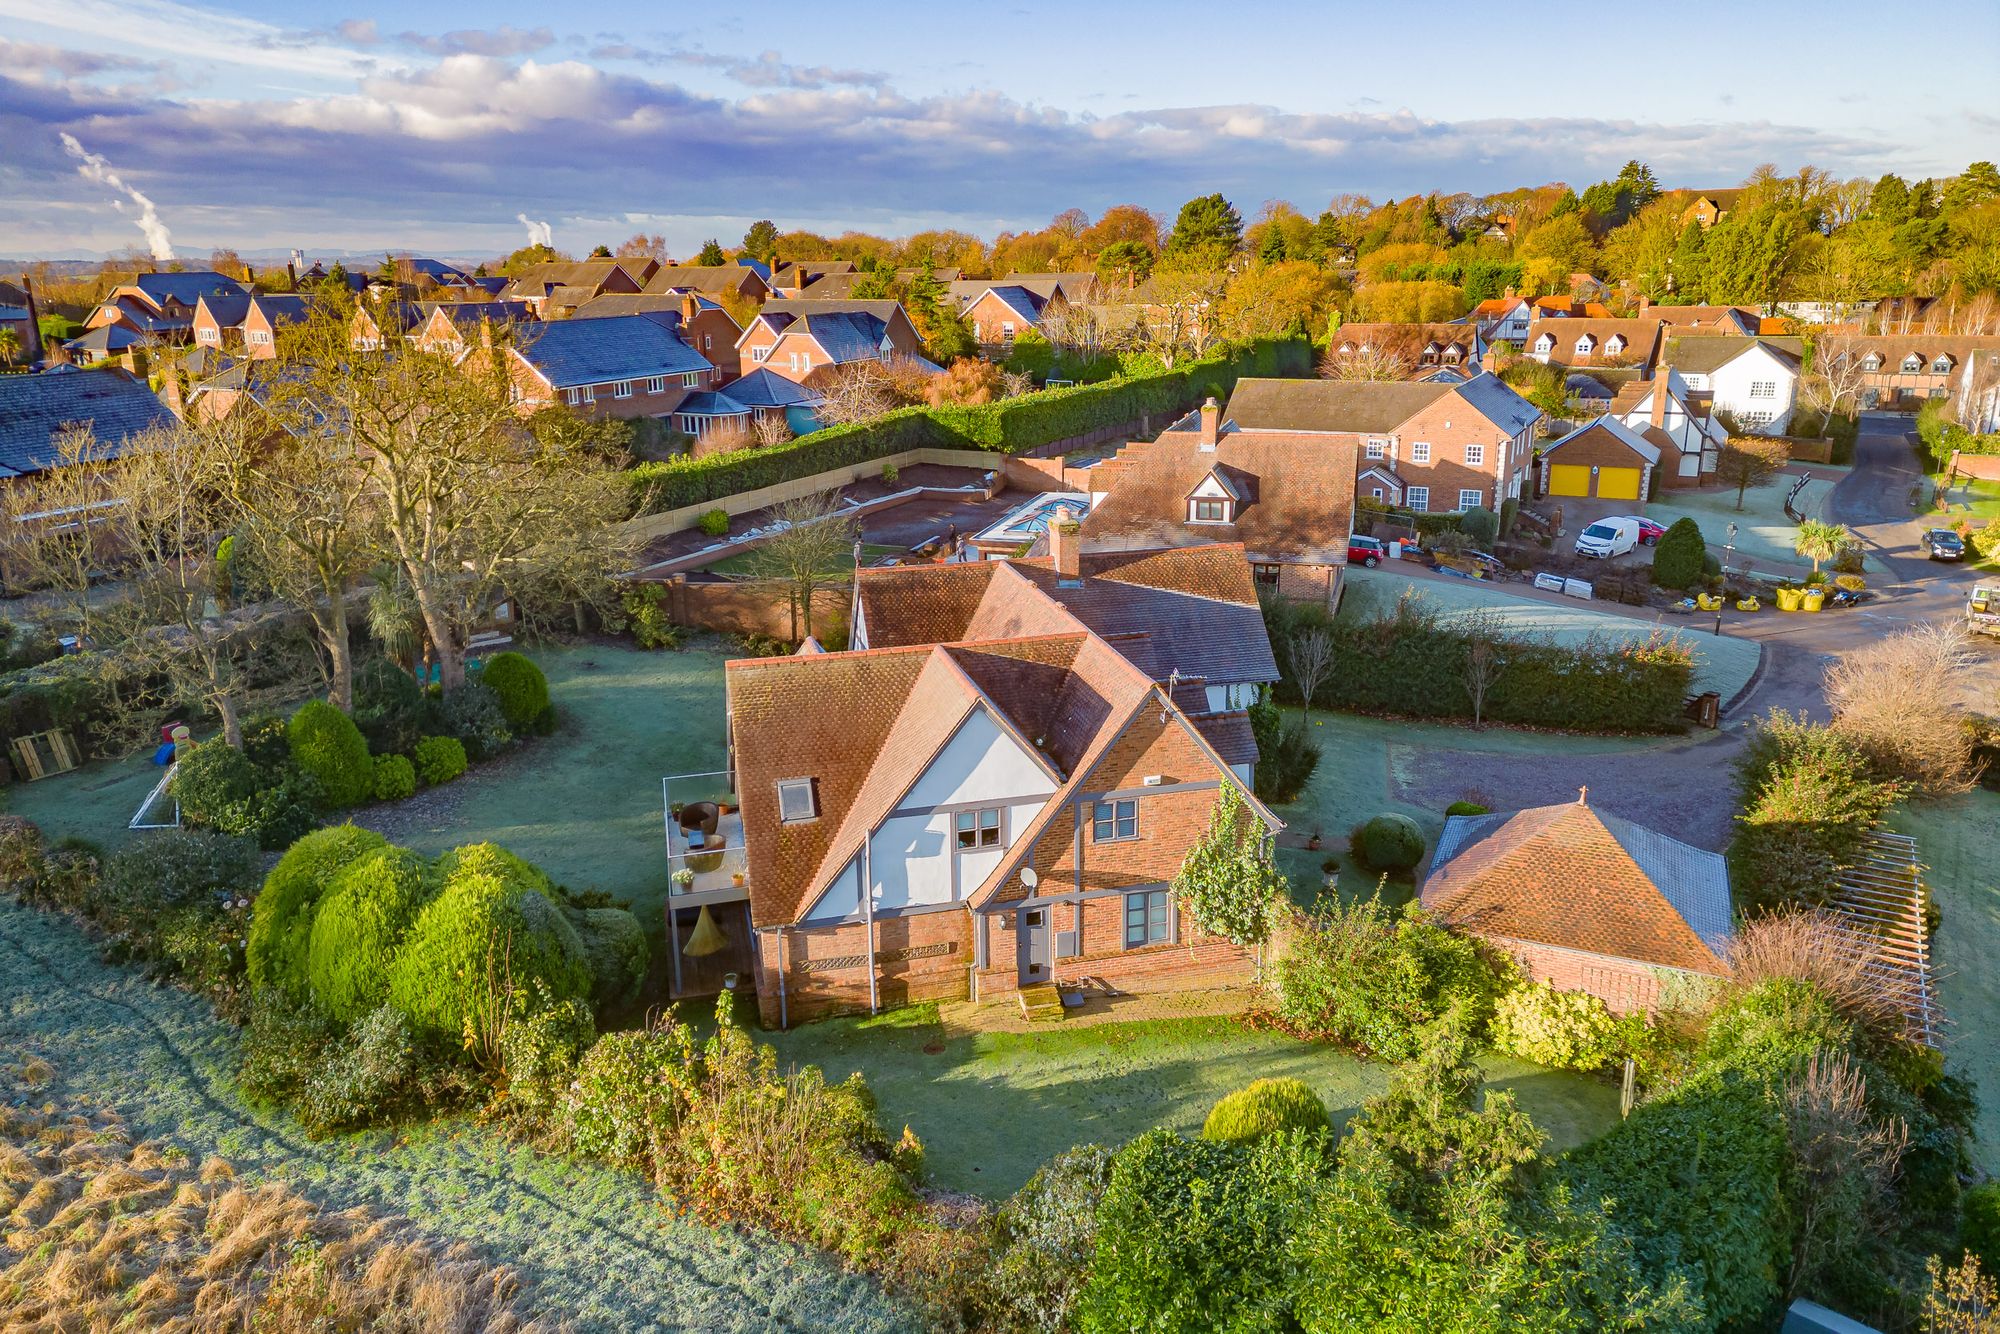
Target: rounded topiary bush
<point>520,686</point>
<point>471,712</point>
<point>360,924</point>
<point>395,777</point>
<point>1480,524</point>
<point>492,859</point>
<point>614,944</point>
<point>1678,559</point>
<point>281,921</point>
<point>326,744</point>
<point>1389,842</point>
<point>439,759</point>
<point>211,779</point>
<point>488,932</point>
<point>1467,808</point>
<point>1263,1108</point>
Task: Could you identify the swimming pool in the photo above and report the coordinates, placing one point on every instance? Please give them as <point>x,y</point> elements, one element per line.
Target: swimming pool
<point>1030,519</point>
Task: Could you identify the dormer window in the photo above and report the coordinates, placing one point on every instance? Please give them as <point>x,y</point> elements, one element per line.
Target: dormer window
<point>798,800</point>
<point>1615,344</point>
<point>1872,362</point>
<point>1942,366</point>
<point>1451,356</point>
<point>1583,346</point>
<point>1912,363</point>
<point>1203,509</point>
<point>1545,344</point>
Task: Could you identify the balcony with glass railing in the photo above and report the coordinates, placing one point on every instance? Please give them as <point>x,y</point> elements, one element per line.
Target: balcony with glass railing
<point>706,859</point>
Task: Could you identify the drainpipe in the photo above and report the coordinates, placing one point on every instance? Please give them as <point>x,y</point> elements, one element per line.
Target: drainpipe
<point>868,907</point>
<point>782,1022</point>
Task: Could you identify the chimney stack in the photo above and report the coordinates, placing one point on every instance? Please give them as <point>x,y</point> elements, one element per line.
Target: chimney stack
<point>1066,547</point>
<point>690,307</point>
<point>1211,424</point>
<point>1645,304</point>
<point>1660,390</point>
<point>292,273</point>
<point>486,333</point>
<point>1509,294</point>
<point>32,349</point>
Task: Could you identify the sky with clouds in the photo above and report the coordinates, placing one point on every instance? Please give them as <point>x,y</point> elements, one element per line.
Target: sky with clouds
<point>436,127</point>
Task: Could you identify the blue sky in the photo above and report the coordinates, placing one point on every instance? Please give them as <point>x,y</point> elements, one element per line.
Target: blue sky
<point>437,127</point>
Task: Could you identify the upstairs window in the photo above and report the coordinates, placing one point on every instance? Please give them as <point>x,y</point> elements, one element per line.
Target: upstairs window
<point>1475,456</point>
<point>691,379</point>
<point>1583,346</point>
<point>621,389</point>
<point>1378,449</point>
<point>798,799</point>
<point>1942,366</point>
<point>1872,362</point>
<point>656,384</point>
<point>759,353</point>
<point>1420,451</point>
<point>1205,510</point>
<point>1616,345</point>
<point>1545,345</point>
<point>1113,821</point>
<point>977,829</point>
<point>1913,363</point>
<point>1763,389</point>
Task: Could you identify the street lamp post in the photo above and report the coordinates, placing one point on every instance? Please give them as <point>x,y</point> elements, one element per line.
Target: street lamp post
<point>1728,550</point>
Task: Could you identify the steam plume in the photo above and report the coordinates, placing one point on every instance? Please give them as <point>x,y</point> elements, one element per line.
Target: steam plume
<point>95,168</point>
<point>539,233</point>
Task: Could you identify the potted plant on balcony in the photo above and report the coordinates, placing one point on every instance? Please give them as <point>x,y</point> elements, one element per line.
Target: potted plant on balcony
<point>683,880</point>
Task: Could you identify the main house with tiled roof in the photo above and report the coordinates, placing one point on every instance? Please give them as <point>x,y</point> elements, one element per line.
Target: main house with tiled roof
<point>247,324</point>
<point>990,792</point>
<point>558,287</point>
<point>795,338</point>
<point>1005,310</point>
<point>160,306</point>
<point>697,320</point>
<point>36,411</point>
<point>1585,900</point>
<point>1406,351</point>
<point>1679,420</point>
<point>1571,342</point>
<point>1754,379</point>
<point>1899,372</point>
<point>622,366</point>
<point>710,280</point>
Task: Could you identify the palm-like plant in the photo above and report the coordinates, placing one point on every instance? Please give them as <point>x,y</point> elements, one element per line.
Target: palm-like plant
<point>10,346</point>
<point>395,620</point>
<point>1818,541</point>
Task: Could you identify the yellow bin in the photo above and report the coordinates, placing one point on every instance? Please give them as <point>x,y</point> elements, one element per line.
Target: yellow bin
<point>1788,598</point>
<point>1813,599</point>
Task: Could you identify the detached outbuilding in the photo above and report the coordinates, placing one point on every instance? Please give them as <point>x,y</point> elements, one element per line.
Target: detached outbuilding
<point>1584,900</point>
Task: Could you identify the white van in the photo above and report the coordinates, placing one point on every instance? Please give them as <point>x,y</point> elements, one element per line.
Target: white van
<point>1608,537</point>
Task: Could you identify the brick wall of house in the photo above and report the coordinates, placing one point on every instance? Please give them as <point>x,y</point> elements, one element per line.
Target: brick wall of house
<point>1600,449</point>
<point>1191,960</point>
<point>921,957</point>
<point>1626,986</point>
<point>1448,426</point>
<point>1309,583</point>
<point>713,334</point>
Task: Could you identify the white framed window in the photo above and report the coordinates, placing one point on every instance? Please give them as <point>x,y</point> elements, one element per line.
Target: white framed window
<point>1471,499</point>
<point>688,425</point>
<point>1763,389</point>
<point>1114,821</point>
<point>707,341</point>
<point>1452,355</point>
<point>1420,451</point>
<point>1475,456</point>
<point>1913,362</point>
<point>1376,492</point>
<point>1418,498</point>
<point>759,353</point>
<point>573,397</point>
<point>1871,362</point>
<point>798,799</point>
<point>1007,331</point>
<point>259,336</point>
<point>977,829</point>
<point>1204,509</point>
<point>1149,919</point>
<point>691,379</point>
<point>208,335</point>
<point>1378,449</point>
<point>1545,344</point>
<point>1615,344</point>
<point>656,384</point>
<point>589,393</point>
<point>621,389</point>
<point>1942,366</point>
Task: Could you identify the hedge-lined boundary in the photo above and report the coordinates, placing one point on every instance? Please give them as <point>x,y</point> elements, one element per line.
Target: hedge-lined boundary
<point>1011,426</point>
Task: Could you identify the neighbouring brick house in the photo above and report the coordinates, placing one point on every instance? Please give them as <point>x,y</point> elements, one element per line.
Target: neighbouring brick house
<point>19,317</point>
<point>796,338</point>
<point>1706,207</point>
<point>160,306</point>
<point>1503,319</point>
<point>37,410</point>
<point>1407,351</point>
<point>451,327</point>
<point>1004,310</point>
<point>1585,901</point>
<point>698,321</point>
<point>555,289</point>
<point>1741,321</point>
<point>1432,447</point>
<point>710,280</point>
<point>1679,421</point>
<point>621,366</point>
<point>1601,460</point>
<point>246,325</point>
<point>1900,371</point>
<point>1574,343</point>
<point>1001,803</point>
<point>1287,497</point>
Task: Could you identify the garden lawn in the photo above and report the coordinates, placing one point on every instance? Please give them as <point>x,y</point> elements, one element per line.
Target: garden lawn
<point>1723,664</point>
<point>596,1248</point>
<point>1763,533</point>
<point>1959,839</point>
<point>584,804</point>
<point>991,1107</point>
<point>1974,499</point>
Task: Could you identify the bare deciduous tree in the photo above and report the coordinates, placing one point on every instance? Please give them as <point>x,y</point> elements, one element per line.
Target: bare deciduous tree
<point>812,549</point>
<point>1310,653</point>
<point>852,393</point>
<point>1485,661</point>
<point>1895,696</point>
<point>770,428</point>
<point>1748,461</point>
<point>1835,382</point>
<point>1844,1167</point>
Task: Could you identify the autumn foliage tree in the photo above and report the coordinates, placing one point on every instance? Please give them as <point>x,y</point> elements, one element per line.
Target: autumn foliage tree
<point>968,380</point>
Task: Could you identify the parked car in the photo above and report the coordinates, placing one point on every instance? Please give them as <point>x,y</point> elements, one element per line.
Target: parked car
<point>1943,544</point>
<point>1368,551</point>
<point>1650,533</point>
<point>1607,538</point>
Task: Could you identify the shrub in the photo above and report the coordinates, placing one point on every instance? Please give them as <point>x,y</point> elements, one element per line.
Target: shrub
<point>203,946</point>
<point>889,474</point>
<point>1979,1224</point>
<point>625,1099</point>
<point>361,1080</point>
<point>614,945</point>
<point>539,1054</point>
<point>472,713</point>
<point>1808,804</point>
<point>647,617</point>
<point>439,759</point>
<point>1265,1107</point>
<point>1286,756</point>
<point>281,920</point>
<point>368,906</point>
<point>1389,842</point>
<point>487,938</point>
<point>1677,559</point>
<point>1191,1234</point>
<point>390,708</point>
<point>1986,539</point>
<point>1565,1030</point>
<point>283,1044</point>
<point>521,688</point>
<point>1355,974</point>
<point>279,813</point>
<point>212,776</point>
<point>395,777</point>
<point>1481,525</point>
<point>21,852</point>
<point>169,871</point>
<point>1043,1240</point>
<point>326,744</point>
<point>1467,808</point>
<point>715,523</point>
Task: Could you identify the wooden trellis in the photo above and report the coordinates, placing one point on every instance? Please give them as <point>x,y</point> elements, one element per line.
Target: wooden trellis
<point>44,753</point>
<point>1882,898</point>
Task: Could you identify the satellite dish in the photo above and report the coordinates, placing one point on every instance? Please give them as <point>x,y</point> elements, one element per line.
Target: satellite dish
<point>1029,878</point>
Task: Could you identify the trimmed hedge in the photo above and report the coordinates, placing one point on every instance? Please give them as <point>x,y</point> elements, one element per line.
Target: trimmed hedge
<point>522,689</point>
<point>355,935</point>
<point>614,945</point>
<point>1010,426</point>
<point>326,744</point>
<point>1265,1107</point>
<point>281,921</point>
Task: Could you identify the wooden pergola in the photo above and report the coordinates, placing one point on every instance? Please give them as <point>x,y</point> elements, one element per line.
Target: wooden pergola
<point>1881,897</point>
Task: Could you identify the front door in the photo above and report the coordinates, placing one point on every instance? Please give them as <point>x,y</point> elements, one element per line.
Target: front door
<point>1031,931</point>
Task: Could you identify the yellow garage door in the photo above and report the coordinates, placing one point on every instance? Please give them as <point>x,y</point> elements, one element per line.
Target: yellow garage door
<point>1569,479</point>
<point>1617,483</point>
